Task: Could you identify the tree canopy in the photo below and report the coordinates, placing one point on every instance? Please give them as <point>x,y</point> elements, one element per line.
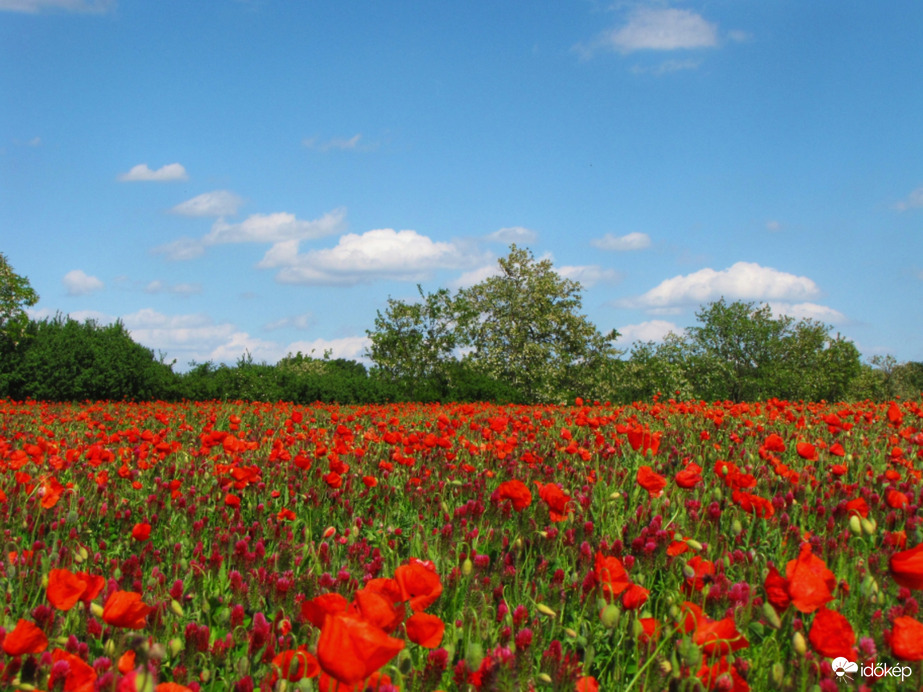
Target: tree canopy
<point>16,294</point>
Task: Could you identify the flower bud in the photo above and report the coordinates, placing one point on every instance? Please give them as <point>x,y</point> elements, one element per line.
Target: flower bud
<point>798,641</point>
<point>694,544</point>
<point>175,646</point>
<point>610,616</point>
<point>176,608</point>
<point>545,610</point>
<point>869,526</point>
<point>736,527</point>
<point>855,525</point>
<point>777,673</point>
<point>544,677</point>
<point>467,566</point>
<point>772,617</point>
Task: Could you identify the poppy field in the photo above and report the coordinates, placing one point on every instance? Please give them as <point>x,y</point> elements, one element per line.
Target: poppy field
<point>669,545</point>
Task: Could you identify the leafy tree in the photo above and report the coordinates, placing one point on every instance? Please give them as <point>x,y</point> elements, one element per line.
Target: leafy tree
<point>16,295</point>
<point>524,328</point>
<point>413,343</point>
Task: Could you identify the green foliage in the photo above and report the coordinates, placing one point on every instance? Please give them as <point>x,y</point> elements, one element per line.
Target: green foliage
<point>16,295</point>
<point>66,360</point>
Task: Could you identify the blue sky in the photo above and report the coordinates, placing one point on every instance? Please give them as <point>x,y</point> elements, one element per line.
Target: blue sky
<point>232,175</point>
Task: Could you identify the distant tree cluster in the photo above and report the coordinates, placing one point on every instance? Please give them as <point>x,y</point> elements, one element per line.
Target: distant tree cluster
<point>516,337</point>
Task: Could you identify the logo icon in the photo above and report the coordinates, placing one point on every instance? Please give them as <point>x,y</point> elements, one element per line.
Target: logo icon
<point>841,666</point>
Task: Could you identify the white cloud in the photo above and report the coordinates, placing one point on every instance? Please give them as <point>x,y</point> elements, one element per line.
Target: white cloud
<point>742,281</point>
<point>652,330</point>
<point>513,234</point>
<point>349,347</point>
<point>302,321</point>
<point>810,311</point>
<point>142,173</point>
<point>79,283</point>
<point>34,6</point>
<point>379,254</point>
<point>589,275</point>
<point>913,201</point>
<point>475,276</point>
<point>336,143</point>
<point>773,226</point>
<point>183,289</point>
<point>662,29</point>
<point>274,228</point>
<point>625,243</point>
<point>216,203</point>
<point>281,229</point>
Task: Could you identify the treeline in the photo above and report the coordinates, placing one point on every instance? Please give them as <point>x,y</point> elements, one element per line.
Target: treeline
<point>516,337</point>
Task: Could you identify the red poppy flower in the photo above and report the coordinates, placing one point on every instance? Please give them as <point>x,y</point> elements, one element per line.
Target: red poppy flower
<point>350,649</point>
<point>171,687</point>
<point>610,574</point>
<point>25,638</point>
<point>378,609</point>
<point>296,664</point>
<point>141,531</point>
<point>701,569</point>
<point>425,629</point>
<point>907,639</point>
<point>906,567</point>
<point>776,587</point>
<point>555,498</point>
<point>774,443</point>
<point>634,597</point>
<point>51,492</point>
<point>810,583</point>
<point>420,585</point>
<point>232,501</point>
<point>806,451</point>
<point>650,630</point>
<point>831,634</point>
<point>651,481</point>
<point>78,675</point>
<point>896,499</point>
<point>64,588</point>
<point>517,492</point>
<point>586,683</point>
<point>126,609</point>
<point>690,476</point>
<point>318,608</point>
<point>716,637</point>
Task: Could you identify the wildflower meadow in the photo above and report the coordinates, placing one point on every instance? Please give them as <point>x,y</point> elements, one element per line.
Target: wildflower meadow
<point>672,545</point>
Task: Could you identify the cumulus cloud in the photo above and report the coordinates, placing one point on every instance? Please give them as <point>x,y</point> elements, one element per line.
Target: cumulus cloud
<point>142,173</point>
<point>652,330</point>
<point>379,254</point>
<point>589,275</point>
<point>281,229</point>
<point>913,201</point>
<point>667,67</point>
<point>35,6</point>
<point>475,276</point>
<point>216,203</point>
<point>79,283</point>
<point>513,234</point>
<point>624,243</point>
<point>741,281</point>
<point>657,30</point>
<point>809,311</point>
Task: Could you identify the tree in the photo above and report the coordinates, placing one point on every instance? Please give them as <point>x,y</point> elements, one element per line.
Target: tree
<point>16,295</point>
<point>524,328</point>
<point>413,343</point>
<point>740,351</point>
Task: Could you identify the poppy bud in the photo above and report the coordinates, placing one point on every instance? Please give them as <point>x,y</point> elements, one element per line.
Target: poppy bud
<point>694,544</point>
<point>771,615</point>
<point>96,609</point>
<point>175,646</point>
<point>545,610</point>
<point>610,616</point>
<point>869,526</point>
<point>109,647</point>
<point>801,646</point>
<point>855,525</point>
<point>777,673</point>
<point>176,608</point>
<point>205,676</point>
<point>572,633</point>
<point>467,566</point>
<point>869,586</point>
<point>544,677</point>
<point>243,666</point>
<point>690,654</point>
<point>736,527</point>
<point>474,655</point>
